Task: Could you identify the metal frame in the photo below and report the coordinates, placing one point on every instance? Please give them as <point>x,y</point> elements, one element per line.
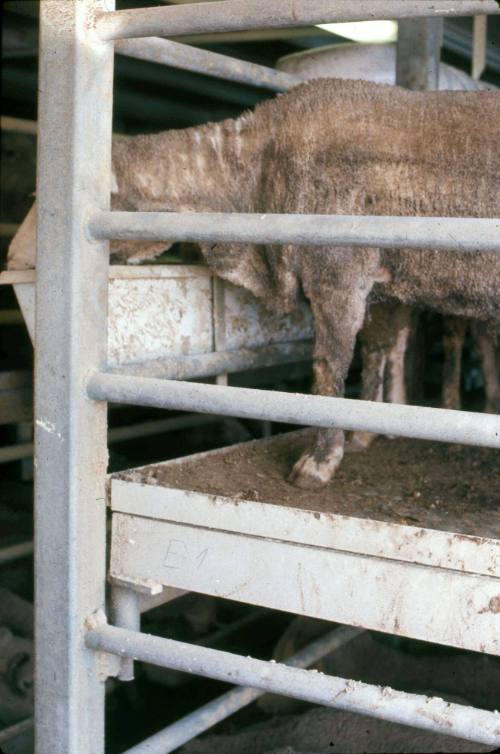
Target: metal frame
<point>75,648</point>
<point>420,581</point>
<point>174,21</point>
<point>428,713</point>
<point>74,169</point>
<point>312,410</point>
<point>219,709</point>
<point>454,234</point>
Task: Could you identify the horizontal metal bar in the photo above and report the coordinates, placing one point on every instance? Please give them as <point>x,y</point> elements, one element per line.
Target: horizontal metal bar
<point>18,125</point>
<point>187,58</point>
<point>15,552</point>
<point>158,426</point>
<point>308,410</point>
<point>7,230</point>
<point>10,453</point>
<point>14,731</point>
<point>219,362</point>
<point>210,714</point>
<point>255,35</point>
<point>16,613</point>
<point>15,378</point>
<point>9,317</point>
<point>222,633</point>
<point>451,233</point>
<point>428,713</point>
<point>173,21</point>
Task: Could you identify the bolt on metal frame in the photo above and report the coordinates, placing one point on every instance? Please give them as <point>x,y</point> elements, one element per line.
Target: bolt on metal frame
<point>74,646</point>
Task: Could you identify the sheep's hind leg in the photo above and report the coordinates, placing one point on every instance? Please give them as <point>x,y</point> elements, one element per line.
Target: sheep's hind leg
<point>384,340</point>
<point>454,331</point>
<point>488,347</point>
<point>372,378</point>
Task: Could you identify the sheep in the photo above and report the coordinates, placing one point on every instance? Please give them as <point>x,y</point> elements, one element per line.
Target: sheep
<point>328,731</point>
<point>387,329</point>
<point>386,151</point>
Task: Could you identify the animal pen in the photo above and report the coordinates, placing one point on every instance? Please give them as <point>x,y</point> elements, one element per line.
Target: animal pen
<point>434,582</point>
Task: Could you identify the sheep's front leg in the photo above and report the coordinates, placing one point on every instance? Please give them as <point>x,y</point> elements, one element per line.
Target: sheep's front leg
<point>338,316</point>
<point>317,466</point>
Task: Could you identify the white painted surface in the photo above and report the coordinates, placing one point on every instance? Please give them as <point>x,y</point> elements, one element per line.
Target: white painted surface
<point>410,544</point>
<point>423,583</point>
<point>160,311</point>
<point>421,602</point>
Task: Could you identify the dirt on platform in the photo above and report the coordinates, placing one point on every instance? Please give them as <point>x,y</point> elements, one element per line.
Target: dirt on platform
<point>434,485</point>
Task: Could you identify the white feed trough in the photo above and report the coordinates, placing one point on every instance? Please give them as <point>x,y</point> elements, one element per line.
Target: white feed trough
<point>162,311</point>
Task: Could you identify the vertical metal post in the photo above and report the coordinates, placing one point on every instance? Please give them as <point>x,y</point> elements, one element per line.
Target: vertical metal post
<point>479,45</point>
<point>125,604</point>
<point>418,56</point>
<point>418,52</point>
<point>74,166</point>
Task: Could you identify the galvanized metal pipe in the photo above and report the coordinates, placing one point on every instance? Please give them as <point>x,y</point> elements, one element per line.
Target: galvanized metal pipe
<point>15,552</point>
<point>222,633</point>
<point>9,453</point>
<point>450,233</point>
<point>158,426</point>
<point>309,410</point>
<point>10,317</point>
<point>428,713</point>
<point>16,613</point>
<point>418,53</point>
<point>8,229</point>
<point>73,179</point>
<point>182,368</point>
<point>18,125</point>
<point>219,362</point>
<point>256,35</point>
<point>173,21</point>
<point>166,52</point>
<point>210,714</point>
<point>126,613</point>
<point>16,730</point>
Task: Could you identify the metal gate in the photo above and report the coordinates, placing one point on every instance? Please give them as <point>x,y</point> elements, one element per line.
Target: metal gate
<point>76,647</point>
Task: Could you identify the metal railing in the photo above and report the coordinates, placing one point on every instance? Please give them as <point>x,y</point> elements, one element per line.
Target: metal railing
<point>311,410</point>
<point>428,713</point>
<point>174,21</point>
<point>75,114</point>
<point>451,233</point>
<point>208,63</point>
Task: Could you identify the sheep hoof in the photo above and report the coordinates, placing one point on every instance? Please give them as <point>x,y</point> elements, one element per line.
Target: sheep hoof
<point>306,481</point>
<point>309,474</point>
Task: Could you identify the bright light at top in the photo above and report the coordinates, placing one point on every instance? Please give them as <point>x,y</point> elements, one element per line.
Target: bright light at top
<point>365,31</point>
